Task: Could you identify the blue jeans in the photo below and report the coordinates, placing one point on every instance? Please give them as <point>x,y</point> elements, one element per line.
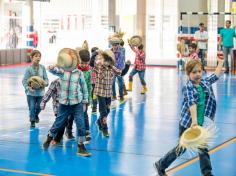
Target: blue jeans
<point>201,55</point>
<point>120,84</point>
<point>141,76</point>
<point>86,119</point>
<point>171,156</point>
<point>227,51</point>
<point>34,106</point>
<point>61,120</point>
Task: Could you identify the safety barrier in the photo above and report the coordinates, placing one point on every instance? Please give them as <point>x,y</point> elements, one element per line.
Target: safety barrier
<point>14,56</point>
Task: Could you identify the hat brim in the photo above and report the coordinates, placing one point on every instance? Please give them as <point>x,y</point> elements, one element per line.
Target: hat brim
<point>135,40</point>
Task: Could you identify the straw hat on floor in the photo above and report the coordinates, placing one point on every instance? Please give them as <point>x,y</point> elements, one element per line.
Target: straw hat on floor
<point>36,82</point>
<point>67,59</point>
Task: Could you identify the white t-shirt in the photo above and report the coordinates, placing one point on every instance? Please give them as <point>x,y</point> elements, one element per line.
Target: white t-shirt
<point>201,36</point>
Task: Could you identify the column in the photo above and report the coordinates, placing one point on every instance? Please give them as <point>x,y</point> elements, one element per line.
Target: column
<point>112,20</point>
<point>141,20</point>
<point>212,33</point>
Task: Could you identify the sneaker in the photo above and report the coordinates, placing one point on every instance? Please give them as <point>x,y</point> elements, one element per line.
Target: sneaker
<point>82,151</point>
<point>32,124</point>
<point>37,120</point>
<point>160,172</point>
<point>70,136</point>
<point>46,144</point>
<point>88,136</point>
<point>105,133</point>
<point>57,143</point>
<point>113,98</point>
<point>122,98</point>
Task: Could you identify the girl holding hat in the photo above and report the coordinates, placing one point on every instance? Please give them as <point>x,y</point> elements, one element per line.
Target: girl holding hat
<point>198,104</point>
<point>35,93</point>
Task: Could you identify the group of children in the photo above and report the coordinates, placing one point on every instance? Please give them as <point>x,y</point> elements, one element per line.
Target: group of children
<point>83,81</point>
<point>78,86</point>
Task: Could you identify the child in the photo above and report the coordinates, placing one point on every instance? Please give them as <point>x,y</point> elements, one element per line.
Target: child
<point>139,67</point>
<point>34,96</point>
<point>54,92</point>
<point>198,104</point>
<point>84,67</point>
<point>94,52</point>
<point>105,71</point>
<point>73,97</point>
<point>192,47</point>
<point>119,54</point>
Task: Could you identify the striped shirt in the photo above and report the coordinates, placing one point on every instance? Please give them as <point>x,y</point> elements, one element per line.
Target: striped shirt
<point>191,97</point>
<point>73,86</point>
<point>104,77</point>
<point>54,92</point>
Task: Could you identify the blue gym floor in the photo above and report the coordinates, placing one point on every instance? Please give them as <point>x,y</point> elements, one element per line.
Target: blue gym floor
<point>142,129</point>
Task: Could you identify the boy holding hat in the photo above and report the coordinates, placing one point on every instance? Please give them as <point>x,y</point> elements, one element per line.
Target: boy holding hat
<point>73,97</point>
<point>198,103</point>
<point>34,95</point>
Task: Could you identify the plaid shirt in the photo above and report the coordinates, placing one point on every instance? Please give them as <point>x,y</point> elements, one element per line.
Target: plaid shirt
<point>93,78</point>
<point>139,63</point>
<point>193,56</point>
<point>73,86</point>
<point>191,97</point>
<point>53,91</point>
<point>103,80</point>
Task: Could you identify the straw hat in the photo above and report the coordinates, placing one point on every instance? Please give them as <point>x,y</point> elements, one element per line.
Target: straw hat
<point>135,40</point>
<point>67,59</point>
<point>36,82</point>
<point>114,40</point>
<point>197,137</point>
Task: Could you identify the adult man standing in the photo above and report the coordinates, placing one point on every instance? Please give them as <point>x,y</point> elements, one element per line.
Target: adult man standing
<point>226,36</point>
<point>201,37</point>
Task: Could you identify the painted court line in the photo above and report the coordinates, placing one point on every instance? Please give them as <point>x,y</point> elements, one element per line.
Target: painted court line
<point>195,159</point>
<point>23,172</point>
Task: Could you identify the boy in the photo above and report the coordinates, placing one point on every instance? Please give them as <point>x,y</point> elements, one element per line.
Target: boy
<point>198,103</point>
<point>73,97</point>
<point>105,71</point>
<point>84,67</point>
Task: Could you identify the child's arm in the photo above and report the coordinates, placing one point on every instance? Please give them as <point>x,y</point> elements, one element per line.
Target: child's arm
<point>51,90</point>
<point>115,70</point>
<point>83,88</point>
<point>45,76</point>
<point>126,69</point>
<point>25,80</point>
<point>219,66</point>
<point>193,112</point>
<point>55,70</point>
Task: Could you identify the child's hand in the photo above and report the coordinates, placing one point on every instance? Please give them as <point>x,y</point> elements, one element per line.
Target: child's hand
<point>31,89</point>
<point>51,67</point>
<point>193,125</point>
<point>42,106</point>
<point>128,62</point>
<point>84,107</point>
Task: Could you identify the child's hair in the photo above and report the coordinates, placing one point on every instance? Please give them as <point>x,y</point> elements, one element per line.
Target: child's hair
<point>84,55</point>
<point>94,49</point>
<point>108,59</point>
<point>191,64</point>
<point>140,47</point>
<point>34,52</point>
<point>193,45</point>
<point>201,24</point>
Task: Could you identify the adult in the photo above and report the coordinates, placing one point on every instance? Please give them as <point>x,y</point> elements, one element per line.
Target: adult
<point>201,37</point>
<point>226,39</point>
